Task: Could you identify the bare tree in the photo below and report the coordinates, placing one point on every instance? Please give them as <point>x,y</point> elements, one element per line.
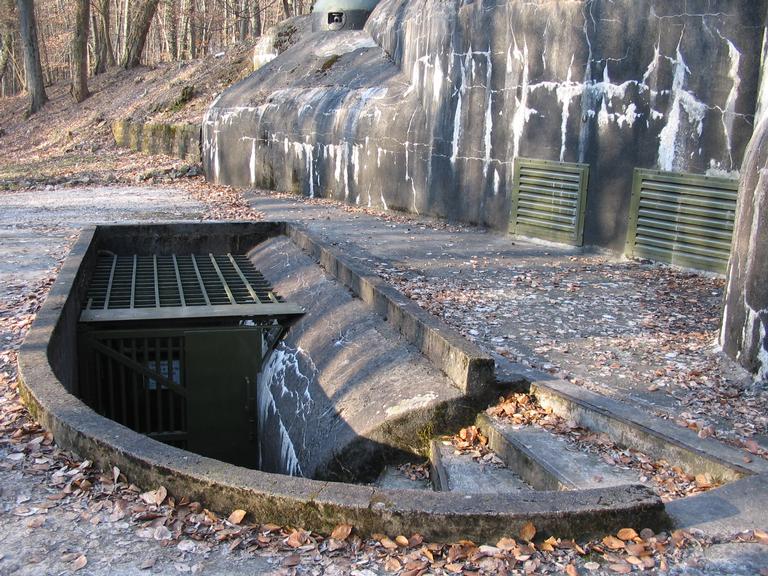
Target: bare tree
<point>32,68</point>
<point>103,54</point>
<point>79,86</point>
<point>6,35</point>
<point>137,33</point>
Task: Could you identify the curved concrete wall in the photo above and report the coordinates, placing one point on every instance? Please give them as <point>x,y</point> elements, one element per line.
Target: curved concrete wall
<point>427,109</point>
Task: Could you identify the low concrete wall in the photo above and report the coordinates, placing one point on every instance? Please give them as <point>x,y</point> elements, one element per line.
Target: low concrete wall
<point>179,140</point>
<point>47,376</point>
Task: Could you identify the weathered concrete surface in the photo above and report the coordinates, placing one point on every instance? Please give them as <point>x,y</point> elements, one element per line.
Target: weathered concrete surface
<point>544,461</point>
<point>427,111</point>
<point>343,391</point>
<point>456,472</point>
<point>177,140</point>
<point>470,368</point>
<point>744,333</point>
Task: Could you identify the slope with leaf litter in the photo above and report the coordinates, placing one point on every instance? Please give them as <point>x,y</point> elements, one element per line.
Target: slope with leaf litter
<point>71,144</point>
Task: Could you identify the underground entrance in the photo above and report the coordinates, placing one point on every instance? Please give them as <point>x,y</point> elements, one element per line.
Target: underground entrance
<point>171,346</point>
<point>351,377</point>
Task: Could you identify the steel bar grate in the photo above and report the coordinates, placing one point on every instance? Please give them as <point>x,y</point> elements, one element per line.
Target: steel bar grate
<point>131,287</point>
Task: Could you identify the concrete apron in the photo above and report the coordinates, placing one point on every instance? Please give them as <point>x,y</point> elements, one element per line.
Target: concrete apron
<point>465,376</point>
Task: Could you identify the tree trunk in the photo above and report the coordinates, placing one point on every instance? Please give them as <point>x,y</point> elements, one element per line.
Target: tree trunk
<point>137,34</point>
<point>286,9</point>
<point>171,31</point>
<point>256,26</point>
<point>79,86</point>
<point>32,68</point>
<point>104,55</point>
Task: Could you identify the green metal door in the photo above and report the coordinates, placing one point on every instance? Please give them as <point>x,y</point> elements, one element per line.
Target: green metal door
<point>221,368</point>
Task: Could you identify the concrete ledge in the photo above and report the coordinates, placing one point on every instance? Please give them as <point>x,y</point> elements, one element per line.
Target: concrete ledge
<point>178,140</point>
<point>281,499</point>
<point>471,369</point>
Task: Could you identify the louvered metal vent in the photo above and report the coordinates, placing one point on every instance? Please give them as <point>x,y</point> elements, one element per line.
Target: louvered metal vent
<point>194,286</point>
<point>682,219</point>
<point>548,200</point>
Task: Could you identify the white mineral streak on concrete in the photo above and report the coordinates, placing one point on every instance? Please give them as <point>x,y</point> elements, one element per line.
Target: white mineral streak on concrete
<point>284,362</point>
<point>307,150</point>
<point>356,163</point>
<point>762,95</point>
<point>565,93</point>
<point>682,101</point>
<point>496,182</point>
<point>410,404</point>
<point>383,202</point>
<point>457,117</point>
<point>437,80</point>
<point>338,152</point>
<point>488,110</point>
<point>346,170</point>
<point>522,113</point>
<point>729,110</point>
<point>252,163</point>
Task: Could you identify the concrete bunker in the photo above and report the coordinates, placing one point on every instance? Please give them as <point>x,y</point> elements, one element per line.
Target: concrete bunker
<point>361,379</point>
<point>339,15</point>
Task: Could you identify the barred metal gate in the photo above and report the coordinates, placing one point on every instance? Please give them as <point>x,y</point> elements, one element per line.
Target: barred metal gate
<point>172,346</point>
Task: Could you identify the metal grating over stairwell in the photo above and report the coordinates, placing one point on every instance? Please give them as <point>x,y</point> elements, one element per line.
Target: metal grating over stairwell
<point>172,347</point>
<point>549,200</point>
<point>133,287</point>
<point>682,219</point>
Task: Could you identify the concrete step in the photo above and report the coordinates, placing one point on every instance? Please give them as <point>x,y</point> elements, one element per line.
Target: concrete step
<point>453,472</point>
<point>547,461</point>
<point>393,478</point>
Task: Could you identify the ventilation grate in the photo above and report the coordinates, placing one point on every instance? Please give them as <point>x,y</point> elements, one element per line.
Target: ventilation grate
<point>682,219</point>
<point>132,287</point>
<point>548,200</point>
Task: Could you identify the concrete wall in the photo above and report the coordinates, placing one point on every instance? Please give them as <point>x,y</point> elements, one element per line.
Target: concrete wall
<point>427,109</point>
<point>178,140</point>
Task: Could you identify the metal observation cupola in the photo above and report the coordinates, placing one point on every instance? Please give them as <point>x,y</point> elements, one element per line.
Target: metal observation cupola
<point>341,14</point>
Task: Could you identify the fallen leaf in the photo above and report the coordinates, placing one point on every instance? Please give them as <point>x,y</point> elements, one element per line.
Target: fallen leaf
<point>36,522</point>
<point>627,534</point>
<point>620,568</point>
<point>591,566</point>
<point>528,531</point>
<point>570,570</point>
<point>387,543</point>
<point>341,532</point>
<point>392,565</point>
<point>297,538</point>
<point>292,560</point>
<point>148,563</point>
<point>613,543</point>
<point>402,541</point>
<point>506,544</point>
<point>236,517</point>
<point>79,563</point>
